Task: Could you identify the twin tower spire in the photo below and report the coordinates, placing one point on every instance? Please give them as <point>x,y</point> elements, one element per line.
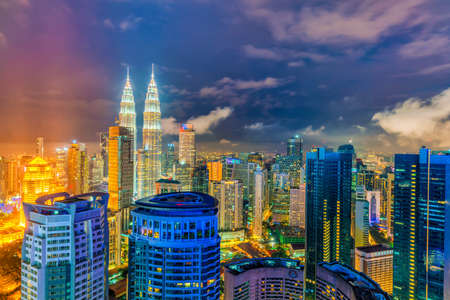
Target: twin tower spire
<point>151,132</point>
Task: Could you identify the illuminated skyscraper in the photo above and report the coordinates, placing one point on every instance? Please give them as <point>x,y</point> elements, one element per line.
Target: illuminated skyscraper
<point>295,146</point>
<point>120,168</point>
<point>297,206</point>
<point>77,169</point>
<point>40,146</point>
<point>38,180</point>
<point>65,248</point>
<point>151,133</point>
<point>422,225</point>
<point>143,182</point>
<point>259,199</point>
<point>61,167</point>
<point>328,212</point>
<point>95,172</point>
<point>169,161</point>
<point>186,151</point>
<point>215,170</point>
<point>127,115</point>
<point>229,194</point>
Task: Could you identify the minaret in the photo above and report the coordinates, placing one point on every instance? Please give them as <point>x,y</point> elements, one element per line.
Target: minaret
<point>127,117</point>
<point>151,133</point>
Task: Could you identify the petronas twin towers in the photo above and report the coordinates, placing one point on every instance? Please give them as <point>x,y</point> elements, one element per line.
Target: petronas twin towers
<point>147,167</point>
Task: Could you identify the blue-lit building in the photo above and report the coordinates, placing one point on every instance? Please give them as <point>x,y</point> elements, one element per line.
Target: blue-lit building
<point>65,248</point>
<point>328,212</point>
<point>174,248</point>
<point>422,225</point>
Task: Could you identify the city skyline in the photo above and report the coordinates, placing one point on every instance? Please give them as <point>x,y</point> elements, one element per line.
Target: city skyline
<point>354,76</point>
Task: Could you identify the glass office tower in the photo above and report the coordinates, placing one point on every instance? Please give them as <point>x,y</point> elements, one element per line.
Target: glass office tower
<point>328,212</point>
<point>174,248</point>
<point>422,225</point>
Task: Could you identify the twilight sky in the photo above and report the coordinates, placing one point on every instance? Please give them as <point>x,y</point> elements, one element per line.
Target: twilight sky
<point>247,73</point>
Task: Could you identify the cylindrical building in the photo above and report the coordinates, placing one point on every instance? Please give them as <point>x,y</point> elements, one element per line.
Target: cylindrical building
<point>174,248</point>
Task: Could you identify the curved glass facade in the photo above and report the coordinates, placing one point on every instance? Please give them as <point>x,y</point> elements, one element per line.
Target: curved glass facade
<point>174,248</point>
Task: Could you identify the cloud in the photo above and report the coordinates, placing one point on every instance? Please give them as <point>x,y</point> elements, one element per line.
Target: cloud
<point>344,22</point>
<point>129,23</point>
<point>360,128</point>
<point>176,91</point>
<point>228,87</point>
<point>202,124</point>
<point>252,51</point>
<point>417,121</point>
<point>309,131</point>
<point>255,126</point>
<point>3,40</point>
<point>224,141</point>
<point>434,69</point>
<point>108,23</point>
<point>279,54</point>
<point>296,64</point>
<point>431,45</point>
<point>341,118</point>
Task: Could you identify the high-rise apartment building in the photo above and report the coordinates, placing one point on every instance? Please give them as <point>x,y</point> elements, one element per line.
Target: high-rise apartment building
<point>362,224</point>
<point>422,225</point>
<point>376,262</point>
<point>186,151</point>
<point>143,176</point>
<point>258,205</point>
<point>215,170</point>
<point>374,198</point>
<point>174,248</point>
<point>61,167</point>
<point>65,248</point>
<point>151,133</point>
<point>96,175</point>
<point>77,169</point>
<point>229,195</point>
<point>297,206</point>
<point>328,212</point>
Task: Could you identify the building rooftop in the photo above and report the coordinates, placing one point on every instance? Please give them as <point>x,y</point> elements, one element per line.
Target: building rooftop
<point>364,287</point>
<point>162,180</point>
<point>374,248</point>
<point>178,200</point>
<point>265,262</point>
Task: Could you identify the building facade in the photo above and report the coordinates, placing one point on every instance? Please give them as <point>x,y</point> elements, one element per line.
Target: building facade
<point>422,225</point>
<point>174,248</point>
<point>65,248</point>
<point>264,278</point>
<point>376,262</point>
<point>328,212</point>
<point>297,206</point>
